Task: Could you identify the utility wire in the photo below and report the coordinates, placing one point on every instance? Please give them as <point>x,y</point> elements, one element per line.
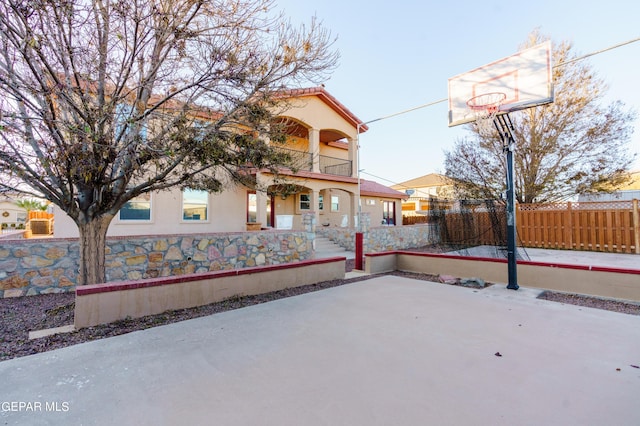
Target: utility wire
<point>597,52</point>
<point>439,101</point>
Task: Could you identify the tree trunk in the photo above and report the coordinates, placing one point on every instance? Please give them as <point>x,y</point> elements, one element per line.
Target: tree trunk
<point>93,236</point>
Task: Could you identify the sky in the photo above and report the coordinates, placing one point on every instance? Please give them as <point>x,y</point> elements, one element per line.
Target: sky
<point>399,55</point>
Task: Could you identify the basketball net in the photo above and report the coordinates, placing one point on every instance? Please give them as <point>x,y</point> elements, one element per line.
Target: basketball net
<point>485,108</point>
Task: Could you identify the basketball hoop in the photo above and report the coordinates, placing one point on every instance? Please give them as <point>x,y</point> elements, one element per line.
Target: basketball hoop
<point>485,108</point>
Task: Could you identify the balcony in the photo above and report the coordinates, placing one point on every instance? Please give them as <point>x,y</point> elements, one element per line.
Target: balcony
<point>298,160</point>
<point>303,161</point>
<point>335,166</point>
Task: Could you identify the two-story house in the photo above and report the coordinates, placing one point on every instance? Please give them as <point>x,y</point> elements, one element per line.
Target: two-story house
<point>322,136</point>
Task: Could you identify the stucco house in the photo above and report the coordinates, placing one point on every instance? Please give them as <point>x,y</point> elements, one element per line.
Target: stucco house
<point>628,192</point>
<point>323,136</point>
<point>12,216</point>
<point>421,189</point>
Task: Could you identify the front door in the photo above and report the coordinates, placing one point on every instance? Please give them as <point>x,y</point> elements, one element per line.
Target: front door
<point>389,212</point>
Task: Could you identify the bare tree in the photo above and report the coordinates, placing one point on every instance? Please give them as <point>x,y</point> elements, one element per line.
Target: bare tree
<point>104,100</point>
<point>575,145</point>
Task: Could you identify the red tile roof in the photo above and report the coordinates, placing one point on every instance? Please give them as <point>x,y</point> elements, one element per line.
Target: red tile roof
<point>374,189</point>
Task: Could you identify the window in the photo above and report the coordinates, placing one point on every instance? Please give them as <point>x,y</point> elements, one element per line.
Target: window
<point>21,217</point>
<point>335,203</point>
<point>304,202</point>
<point>195,205</point>
<point>252,207</point>
<point>138,208</point>
<point>320,202</point>
<point>123,115</point>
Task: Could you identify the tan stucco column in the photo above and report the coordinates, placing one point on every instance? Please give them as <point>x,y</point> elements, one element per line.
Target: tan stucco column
<point>314,149</point>
<point>315,204</point>
<point>353,201</point>
<point>353,156</point>
<point>261,200</point>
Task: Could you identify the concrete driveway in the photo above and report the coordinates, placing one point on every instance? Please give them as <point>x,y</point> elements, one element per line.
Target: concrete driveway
<point>385,351</point>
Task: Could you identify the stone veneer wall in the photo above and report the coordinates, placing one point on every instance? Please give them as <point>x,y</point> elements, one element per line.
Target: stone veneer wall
<point>382,238</point>
<point>36,266</point>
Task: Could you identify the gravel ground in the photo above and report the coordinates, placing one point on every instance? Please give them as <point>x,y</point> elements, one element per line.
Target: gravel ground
<point>23,314</point>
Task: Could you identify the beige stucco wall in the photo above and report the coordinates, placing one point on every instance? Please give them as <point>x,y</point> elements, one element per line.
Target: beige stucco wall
<point>332,151</point>
<point>601,282</point>
<point>227,213</point>
<point>296,144</point>
<point>134,300</point>
<point>315,113</point>
<point>12,212</point>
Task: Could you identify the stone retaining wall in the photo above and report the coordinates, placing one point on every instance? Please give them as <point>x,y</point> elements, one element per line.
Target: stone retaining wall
<point>36,266</point>
<point>105,303</point>
<point>382,238</point>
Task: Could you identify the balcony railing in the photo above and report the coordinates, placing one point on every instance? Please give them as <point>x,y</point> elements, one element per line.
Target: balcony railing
<point>298,160</point>
<point>303,161</point>
<point>335,166</point>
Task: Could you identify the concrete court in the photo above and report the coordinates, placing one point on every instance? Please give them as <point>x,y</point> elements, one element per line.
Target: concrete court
<point>566,257</point>
<point>385,351</point>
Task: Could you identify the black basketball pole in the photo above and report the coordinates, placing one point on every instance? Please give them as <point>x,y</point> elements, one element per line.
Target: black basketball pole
<point>504,126</point>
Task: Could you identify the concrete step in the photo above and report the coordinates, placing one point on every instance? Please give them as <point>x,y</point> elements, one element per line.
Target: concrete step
<point>323,243</point>
<point>326,248</point>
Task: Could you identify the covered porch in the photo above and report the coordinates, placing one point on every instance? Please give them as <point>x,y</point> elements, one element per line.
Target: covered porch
<point>283,206</point>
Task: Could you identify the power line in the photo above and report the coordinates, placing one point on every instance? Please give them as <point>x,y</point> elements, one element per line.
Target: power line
<point>439,101</point>
<point>395,183</point>
<point>606,49</point>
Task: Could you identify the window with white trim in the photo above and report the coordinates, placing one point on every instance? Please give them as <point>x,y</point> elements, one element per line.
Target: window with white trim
<point>335,203</point>
<point>252,207</point>
<point>195,205</point>
<point>304,201</point>
<point>136,209</point>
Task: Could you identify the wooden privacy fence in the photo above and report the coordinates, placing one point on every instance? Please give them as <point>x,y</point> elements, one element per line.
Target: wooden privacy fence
<point>40,222</point>
<point>593,226</point>
<point>39,214</point>
<point>612,226</point>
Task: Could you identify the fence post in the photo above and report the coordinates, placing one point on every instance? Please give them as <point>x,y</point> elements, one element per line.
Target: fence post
<point>569,225</point>
<point>636,225</point>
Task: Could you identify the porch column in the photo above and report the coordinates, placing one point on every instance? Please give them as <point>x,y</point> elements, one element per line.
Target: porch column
<point>261,199</point>
<point>353,156</point>
<point>314,149</point>
<point>353,208</point>
<point>315,204</point>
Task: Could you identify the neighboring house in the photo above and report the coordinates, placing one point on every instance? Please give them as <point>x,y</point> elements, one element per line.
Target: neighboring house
<point>628,192</point>
<point>382,203</point>
<point>11,216</point>
<point>420,190</point>
<point>323,136</point>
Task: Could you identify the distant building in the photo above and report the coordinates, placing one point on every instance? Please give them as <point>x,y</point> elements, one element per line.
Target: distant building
<point>626,193</point>
<point>421,190</point>
<point>11,216</point>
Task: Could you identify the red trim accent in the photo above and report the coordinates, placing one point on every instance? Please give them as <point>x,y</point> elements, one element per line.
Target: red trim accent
<point>272,212</point>
<point>359,241</point>
<point>155,282</point>
<point>520,262</point>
